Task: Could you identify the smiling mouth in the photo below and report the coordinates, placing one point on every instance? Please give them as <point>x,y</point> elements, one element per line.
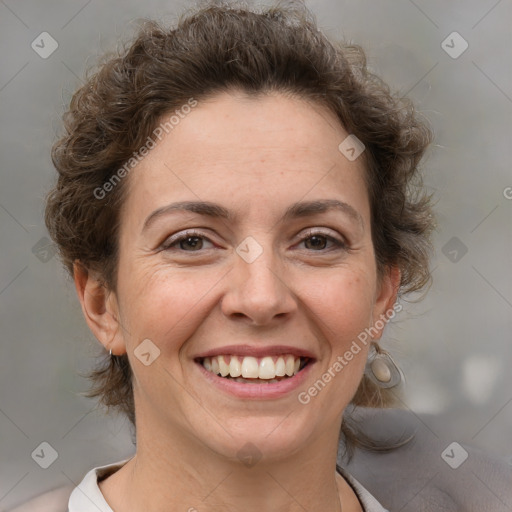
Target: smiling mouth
<point>254,370</point>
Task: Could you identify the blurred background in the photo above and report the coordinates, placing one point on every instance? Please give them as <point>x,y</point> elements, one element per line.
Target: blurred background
<point>451,57</point>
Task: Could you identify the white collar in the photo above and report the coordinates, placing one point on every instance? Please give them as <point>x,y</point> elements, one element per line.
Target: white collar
<point>370,504</point>
<point>87,497</point>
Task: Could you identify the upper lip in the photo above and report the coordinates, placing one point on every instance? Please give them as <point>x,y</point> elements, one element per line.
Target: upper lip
<point>255,351</point>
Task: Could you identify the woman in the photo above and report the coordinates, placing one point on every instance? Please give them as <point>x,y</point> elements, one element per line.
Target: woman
<point>238,201</point>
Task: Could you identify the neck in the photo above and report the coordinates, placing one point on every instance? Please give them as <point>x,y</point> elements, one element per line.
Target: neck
<point>173,473</point>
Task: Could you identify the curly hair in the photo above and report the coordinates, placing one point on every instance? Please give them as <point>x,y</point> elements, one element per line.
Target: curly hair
<point>216,48</point>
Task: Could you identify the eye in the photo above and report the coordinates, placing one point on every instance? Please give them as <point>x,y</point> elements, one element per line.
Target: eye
<point>318,241</point>
<point>194,241</point>
<point>189,241</point>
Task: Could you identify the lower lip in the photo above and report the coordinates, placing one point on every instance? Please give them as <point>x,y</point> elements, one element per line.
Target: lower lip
<point>257,391</point>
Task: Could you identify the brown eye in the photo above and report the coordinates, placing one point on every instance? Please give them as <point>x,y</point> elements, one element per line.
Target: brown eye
<point>194,242</point>
<point>319,242</point>
<point>190,241</point>
<point>316,242</point>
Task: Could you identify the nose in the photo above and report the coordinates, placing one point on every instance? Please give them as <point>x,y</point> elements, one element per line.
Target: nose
<point>258,291</point>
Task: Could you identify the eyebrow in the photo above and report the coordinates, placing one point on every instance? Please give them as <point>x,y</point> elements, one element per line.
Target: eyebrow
<point>296,210</point>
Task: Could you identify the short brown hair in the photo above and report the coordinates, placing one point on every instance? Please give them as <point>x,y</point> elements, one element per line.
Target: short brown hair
<point>221,48</point>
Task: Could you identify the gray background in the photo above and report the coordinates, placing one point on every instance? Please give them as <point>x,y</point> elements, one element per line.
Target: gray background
<point>454,346</point>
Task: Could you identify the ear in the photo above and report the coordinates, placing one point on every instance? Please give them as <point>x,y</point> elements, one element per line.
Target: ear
<point>387,292</point>
<point>100,308</point>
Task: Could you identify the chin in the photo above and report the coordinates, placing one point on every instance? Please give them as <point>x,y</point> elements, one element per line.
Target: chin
<point>267,438</point>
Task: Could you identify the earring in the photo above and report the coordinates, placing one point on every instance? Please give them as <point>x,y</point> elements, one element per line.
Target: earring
<point>381,369</point>
<point>110,353</point>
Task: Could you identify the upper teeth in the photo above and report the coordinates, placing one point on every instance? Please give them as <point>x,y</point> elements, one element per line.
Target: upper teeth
<point>251,367</point>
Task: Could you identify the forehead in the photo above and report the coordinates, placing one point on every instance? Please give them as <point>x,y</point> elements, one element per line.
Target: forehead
<point>233,147</point>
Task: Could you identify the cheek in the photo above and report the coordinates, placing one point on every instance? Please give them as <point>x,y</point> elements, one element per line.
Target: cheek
<point>343,305</point>
<point>341,309</point>
<point>167,308</point>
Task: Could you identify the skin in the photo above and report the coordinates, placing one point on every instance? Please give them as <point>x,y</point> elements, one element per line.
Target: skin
<point>254,156</point>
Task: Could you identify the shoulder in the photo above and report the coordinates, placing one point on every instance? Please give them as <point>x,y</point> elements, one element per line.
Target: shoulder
<point>55,500</point>
<point>59,499</point>
<point>428,473</point>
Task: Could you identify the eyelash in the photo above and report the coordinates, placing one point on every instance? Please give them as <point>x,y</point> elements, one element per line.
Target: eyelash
<point>338,244</point>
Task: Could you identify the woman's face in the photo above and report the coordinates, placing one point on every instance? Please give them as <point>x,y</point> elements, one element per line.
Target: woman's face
<point>275,277</point>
